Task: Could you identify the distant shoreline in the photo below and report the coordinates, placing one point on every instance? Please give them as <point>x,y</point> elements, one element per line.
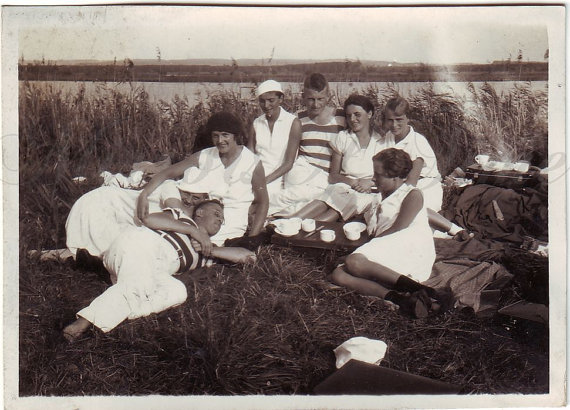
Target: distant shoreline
<point>334,71</point>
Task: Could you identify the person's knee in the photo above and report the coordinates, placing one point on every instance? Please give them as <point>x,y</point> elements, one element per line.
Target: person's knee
<point>354,263</point>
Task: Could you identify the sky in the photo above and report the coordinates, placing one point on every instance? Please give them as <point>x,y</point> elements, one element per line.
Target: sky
<point>433,35</point>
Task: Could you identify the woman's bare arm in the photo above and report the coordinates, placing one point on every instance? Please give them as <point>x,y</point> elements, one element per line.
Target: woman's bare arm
<point>172,172</point>
<point>414,175</point>
<point>260,199</point>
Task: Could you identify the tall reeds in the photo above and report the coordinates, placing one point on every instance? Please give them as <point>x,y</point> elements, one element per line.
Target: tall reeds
<point>512,125</point>
<point>63,135</point>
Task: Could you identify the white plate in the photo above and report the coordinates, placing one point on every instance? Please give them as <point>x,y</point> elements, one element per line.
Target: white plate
<point>286,234</point>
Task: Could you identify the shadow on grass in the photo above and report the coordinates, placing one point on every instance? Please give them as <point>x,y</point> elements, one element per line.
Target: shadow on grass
<point>268,328</point>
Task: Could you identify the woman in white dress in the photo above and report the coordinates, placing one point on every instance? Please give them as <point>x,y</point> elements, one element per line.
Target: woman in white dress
<point>350,176</point>
<point>275,137</point>
<point>239,180</point>
<point>401,253</point>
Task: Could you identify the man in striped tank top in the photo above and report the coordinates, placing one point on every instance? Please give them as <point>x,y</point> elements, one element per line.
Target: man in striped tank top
<point>142,260</point>
<point>320,122</point>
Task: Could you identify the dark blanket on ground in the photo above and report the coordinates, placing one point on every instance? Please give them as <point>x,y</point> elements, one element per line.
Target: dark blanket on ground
<point>474,270</point>
<point>523,213</point>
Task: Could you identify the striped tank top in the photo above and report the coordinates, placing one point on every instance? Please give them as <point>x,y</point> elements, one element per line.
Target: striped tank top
<point>315,138</point>
<point>187,255</point>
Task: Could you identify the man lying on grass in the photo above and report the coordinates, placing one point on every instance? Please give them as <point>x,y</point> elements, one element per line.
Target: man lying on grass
<point>142,260</point>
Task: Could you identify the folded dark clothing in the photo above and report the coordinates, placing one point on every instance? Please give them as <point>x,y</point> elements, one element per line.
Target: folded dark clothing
<point>472,248</point>
<point>499,213</point>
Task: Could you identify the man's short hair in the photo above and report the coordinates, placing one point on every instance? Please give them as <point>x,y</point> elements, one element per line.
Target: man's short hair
<point>316,81</point>
<point>207,202</point>
<point>398,104</point>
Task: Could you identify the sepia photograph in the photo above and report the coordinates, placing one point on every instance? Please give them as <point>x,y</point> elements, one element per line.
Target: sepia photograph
<point>284,206</point>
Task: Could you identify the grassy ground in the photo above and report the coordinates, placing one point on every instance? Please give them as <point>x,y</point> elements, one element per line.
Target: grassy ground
<point>269,328</point>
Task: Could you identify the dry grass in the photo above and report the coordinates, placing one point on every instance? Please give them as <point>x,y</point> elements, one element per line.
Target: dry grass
<point>265,329</point>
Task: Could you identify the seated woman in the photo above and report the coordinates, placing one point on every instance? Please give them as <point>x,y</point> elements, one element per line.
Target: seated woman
<point>275,137</point>
<point>142,260</point>
<point>424,174</point>
<point>401,253</point>
<point>351,171</point>
<point>239,180</point>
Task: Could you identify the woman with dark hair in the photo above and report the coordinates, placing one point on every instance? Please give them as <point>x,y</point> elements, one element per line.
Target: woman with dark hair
<point>239,180</point>
<point>350,176</point>
<point>397,220</point>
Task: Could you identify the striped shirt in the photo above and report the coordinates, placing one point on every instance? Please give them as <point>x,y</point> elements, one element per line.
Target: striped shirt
<point>315,138</point>
<point>189,258</point>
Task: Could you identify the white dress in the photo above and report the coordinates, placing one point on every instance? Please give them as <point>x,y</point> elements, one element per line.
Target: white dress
<point>356,163</point>
<point>417,146</point>
<point>410,251</point>
<point>233,186</point>
<point>271,147</point>
<point>98,217</point>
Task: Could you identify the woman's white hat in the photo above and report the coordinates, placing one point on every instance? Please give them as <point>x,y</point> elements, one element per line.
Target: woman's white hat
<point>268,86</point>
<point>195,181</point>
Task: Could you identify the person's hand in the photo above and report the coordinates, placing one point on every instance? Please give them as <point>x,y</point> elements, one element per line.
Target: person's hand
<point>204,241</point>
<point>244,255</point>
<point>363,185</point>
<point>196,245</point>
<point>142,206</point>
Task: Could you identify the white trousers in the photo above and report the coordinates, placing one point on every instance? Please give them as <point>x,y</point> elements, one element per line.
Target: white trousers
<point>141,264</point>
<point>303,183</point>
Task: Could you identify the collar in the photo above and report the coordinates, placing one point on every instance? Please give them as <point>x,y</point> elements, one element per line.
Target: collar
<point>375,136</point>
<point>405,139</point>
<point>279,116</point>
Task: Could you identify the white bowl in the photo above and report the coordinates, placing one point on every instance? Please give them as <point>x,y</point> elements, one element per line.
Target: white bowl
<point>352,230</point>
<point>327,235</point>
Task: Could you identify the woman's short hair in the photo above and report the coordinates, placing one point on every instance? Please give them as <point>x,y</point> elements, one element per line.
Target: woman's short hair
<point>316,81</point>
<point>396,162</point>
<point>361,101</point>
<point>226,122</point>
<point>398,105</point>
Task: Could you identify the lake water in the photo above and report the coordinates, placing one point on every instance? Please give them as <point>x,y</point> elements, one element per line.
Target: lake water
<point>196,92</point>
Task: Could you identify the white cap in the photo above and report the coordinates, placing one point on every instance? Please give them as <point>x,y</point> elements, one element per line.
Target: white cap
<point>267,86</point>
<point>194,181</point>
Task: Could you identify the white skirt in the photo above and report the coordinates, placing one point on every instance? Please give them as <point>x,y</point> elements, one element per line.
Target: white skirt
<point>410,252</point>
<point>345,200</point>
